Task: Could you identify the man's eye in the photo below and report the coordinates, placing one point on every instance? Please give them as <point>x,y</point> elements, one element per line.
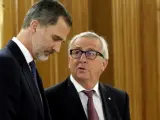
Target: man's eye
<point>56,39</point>
<point>91,53</point>
<point>77,52</point>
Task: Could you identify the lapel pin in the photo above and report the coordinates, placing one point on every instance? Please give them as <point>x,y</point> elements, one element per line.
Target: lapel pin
<point>109,98</point>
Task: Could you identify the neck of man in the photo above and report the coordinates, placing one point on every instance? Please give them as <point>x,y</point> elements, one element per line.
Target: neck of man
<point>24,38</point>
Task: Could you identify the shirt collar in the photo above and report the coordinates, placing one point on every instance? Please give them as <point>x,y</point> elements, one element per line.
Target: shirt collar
<point>24,50</point>
<point>80,88</point>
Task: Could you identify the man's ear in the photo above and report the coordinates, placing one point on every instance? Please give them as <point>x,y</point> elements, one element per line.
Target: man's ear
<point>104,64</point>
<point>33,25</point>
<point>69,62</point>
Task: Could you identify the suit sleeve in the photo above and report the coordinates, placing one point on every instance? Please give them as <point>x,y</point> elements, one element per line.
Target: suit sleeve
<point>127,111</point>
<point>9,88</point>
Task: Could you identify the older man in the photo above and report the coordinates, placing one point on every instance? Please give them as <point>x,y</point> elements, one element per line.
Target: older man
<point>81,96</point>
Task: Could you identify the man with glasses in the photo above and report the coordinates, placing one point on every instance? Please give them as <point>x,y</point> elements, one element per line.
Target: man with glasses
<point>81,96</point>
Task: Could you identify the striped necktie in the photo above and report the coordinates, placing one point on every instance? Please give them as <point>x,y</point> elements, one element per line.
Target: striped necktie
<point>92,113</point>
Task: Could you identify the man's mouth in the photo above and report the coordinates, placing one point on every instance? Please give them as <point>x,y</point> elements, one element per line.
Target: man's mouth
<point>82,68</point>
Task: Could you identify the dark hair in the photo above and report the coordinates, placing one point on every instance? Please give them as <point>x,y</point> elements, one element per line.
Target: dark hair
<point>47,12</point>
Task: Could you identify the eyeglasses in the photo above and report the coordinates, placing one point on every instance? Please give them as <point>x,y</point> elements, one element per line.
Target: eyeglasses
<point>90,54</point>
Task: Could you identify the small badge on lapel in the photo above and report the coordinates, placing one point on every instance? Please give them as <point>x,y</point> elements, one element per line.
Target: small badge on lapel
<point>109,98</point>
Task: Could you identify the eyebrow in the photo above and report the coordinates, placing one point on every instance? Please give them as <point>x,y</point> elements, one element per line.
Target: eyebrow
<point>85,50</point>
<point>91,49</point>
<point>56,37</point>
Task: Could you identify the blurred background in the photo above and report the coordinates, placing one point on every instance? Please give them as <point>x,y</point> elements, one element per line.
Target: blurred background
<point>132,30</point>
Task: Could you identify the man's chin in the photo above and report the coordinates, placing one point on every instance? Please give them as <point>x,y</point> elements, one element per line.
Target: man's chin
<point>82,77</point>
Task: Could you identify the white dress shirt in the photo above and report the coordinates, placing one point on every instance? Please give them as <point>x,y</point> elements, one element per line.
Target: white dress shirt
<point>27,56</point>
<point>24,50</point>
<point>84,99</point>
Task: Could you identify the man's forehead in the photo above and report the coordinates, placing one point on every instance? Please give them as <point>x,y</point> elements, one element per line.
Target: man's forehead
<point>85,48</point>
<point>86,43</point>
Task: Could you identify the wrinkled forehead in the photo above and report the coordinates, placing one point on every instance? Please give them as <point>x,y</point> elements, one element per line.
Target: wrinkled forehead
<point>86,43</point>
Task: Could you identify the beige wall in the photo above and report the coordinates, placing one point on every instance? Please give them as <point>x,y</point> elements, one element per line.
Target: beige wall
<point>132,29</point>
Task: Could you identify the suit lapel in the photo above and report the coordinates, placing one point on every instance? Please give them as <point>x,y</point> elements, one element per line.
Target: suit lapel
<point>109,104</point>
<point>18,55</point>
<point>45,105</point>
<point>75,105</point>
<point>33,88</point>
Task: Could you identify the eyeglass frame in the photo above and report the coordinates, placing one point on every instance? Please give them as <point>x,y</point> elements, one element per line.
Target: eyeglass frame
<point>97,54</point>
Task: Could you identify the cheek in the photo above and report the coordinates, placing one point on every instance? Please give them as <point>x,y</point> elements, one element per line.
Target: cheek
<point>46,44</point>
<point>39,37</point>
<point>96,68</point>
<point>72,64</point>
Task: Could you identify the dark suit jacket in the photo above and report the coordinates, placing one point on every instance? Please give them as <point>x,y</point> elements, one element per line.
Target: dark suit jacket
<point>65,104</point>
<point>19,97</point>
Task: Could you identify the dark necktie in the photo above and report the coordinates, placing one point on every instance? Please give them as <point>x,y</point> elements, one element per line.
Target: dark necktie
<point>92,114</point>
<point>33,70</point>
<point>34,75</point>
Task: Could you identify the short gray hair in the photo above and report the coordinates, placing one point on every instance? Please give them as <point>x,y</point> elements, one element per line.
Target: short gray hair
<point>47,12</point>
<point>96,37</point>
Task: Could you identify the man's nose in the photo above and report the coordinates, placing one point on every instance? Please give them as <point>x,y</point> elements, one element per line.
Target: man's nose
<point>57,47</point>
<point>83,58</point>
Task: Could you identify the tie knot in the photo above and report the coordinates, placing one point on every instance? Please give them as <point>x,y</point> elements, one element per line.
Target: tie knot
<point>89,93</point>
<point>32,64</point>
<point>33,69</point>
